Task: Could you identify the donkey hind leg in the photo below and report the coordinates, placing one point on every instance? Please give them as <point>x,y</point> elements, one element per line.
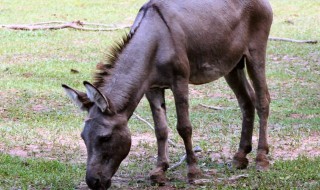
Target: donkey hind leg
<point>245,96</point>
<point>157,105</point>
<point>180,92</point>
<point>256,70</point>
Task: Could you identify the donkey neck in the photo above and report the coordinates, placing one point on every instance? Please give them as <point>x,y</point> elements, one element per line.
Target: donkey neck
<point>130,78</point>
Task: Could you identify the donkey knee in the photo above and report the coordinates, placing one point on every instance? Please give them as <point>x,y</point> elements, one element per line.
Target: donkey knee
<point>268,98</point>
<point>263,111</point>
<point>184,130</point>
<point>162,133</point>
<point>247,110</point>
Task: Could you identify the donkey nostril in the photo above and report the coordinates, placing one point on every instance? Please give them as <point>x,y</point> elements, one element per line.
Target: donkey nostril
<point>93,182</point>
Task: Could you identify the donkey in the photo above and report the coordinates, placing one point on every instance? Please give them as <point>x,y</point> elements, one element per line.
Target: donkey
<point>170,45</point>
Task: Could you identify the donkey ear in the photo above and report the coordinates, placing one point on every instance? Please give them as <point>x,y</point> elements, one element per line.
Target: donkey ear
<point>79,98</point>
<point>97,97</point>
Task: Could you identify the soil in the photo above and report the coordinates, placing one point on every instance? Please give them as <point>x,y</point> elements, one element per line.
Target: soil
<point>281,149</point>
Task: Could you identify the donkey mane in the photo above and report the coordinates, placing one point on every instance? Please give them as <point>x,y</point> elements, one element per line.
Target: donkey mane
<point>104,68</point>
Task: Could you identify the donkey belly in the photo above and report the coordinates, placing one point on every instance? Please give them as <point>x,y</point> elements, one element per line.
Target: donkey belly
<point>207,72</point>
<point>205,76</point>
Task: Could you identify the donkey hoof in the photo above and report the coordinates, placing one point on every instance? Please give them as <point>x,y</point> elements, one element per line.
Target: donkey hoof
<point>240,162</point>
<point>157,176</point>
<point>262,163</point>
<point>193,174</point>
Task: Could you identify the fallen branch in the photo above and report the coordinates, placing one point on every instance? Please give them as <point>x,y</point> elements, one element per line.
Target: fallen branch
<point>184,157</point>
<point>145,121</point>
<point>212,107</point>
<point>215,107</point>
<point>77,25</point>
<point>46,23</point>
<point>237,177</point>
<point>82,24</point>
<point>291,72</point>
<point>202,181</point>
<point>293,40</point>
<point>234,178</point>
<point>151,126</point>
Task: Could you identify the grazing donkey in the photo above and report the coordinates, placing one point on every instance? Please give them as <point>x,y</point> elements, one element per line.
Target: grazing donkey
<point>172,44</point>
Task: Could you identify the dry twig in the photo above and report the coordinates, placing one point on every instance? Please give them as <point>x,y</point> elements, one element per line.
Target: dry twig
<point>151,126</point>
<point>293,40</point>
<point>234,178</point>
<point>202,181</point>
<point>57,25</point>
<point>79,25</point>
<point>145,121</point>
<point>184,157</point>
<point>291,72</point>
<point>214,107</point>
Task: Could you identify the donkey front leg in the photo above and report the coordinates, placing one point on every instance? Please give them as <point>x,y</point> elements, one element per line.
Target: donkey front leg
<point>157,104</point>
<point>180,92</point>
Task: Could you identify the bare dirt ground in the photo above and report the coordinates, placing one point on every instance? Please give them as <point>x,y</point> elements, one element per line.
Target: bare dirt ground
<point>282,149</point>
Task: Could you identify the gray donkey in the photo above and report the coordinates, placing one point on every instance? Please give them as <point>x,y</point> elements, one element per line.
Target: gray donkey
<point>173,44</point>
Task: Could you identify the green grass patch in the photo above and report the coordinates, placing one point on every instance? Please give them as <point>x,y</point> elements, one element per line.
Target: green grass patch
<point>20,173</point>
<point>303,173</point>
<point>37,118</point>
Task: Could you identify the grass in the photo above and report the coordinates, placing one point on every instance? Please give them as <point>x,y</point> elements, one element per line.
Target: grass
<point>42,127</point>
<point>302,173</point>
<point>21,173</point>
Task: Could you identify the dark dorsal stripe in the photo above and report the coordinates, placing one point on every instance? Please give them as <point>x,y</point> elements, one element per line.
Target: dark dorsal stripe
<point>156,8</point>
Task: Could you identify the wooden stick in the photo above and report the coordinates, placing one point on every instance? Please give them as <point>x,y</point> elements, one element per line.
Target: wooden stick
<point>106,25</point>
<point>232,179</point>
<point>183,158</point>
<point>77,25</point>
<point>212,107</point>
<point>293,40</point>
<point>58,27</point>
<point>145,121</point>
<point>46,23</point>
<point>291,72</point>
<point>151,126</point>
<point>80,22</point>
<point>217,108</point>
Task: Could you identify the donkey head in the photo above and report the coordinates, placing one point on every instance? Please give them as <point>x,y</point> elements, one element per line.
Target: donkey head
<point>105,134</point>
